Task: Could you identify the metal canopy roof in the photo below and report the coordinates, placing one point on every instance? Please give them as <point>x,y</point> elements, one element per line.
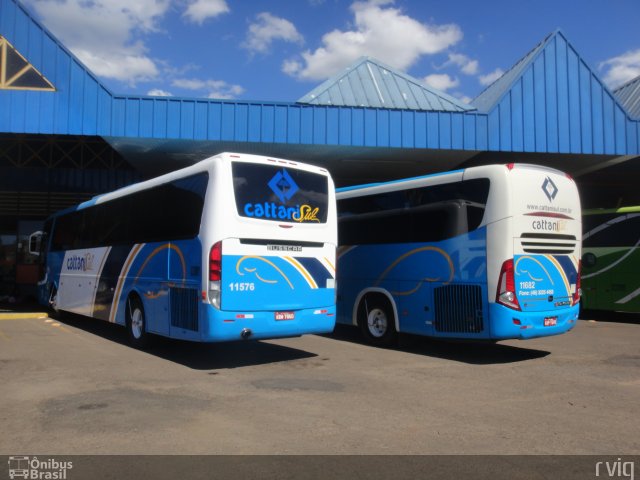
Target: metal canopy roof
<point>551,108</point>
<point>550,102</point>
<point>370,83</point>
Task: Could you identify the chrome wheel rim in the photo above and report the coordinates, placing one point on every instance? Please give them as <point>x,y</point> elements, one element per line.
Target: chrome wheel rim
<point>377,322</point>
<point>137,323</point>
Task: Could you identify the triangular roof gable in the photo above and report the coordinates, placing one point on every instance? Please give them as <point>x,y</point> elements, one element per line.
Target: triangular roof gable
<point>80,103</point>
<point>552,101</point>
<point>628,94</point>
<point>489,98</point>
<point>40,45</point>
<point>16,73</point>
<point>370,83</point>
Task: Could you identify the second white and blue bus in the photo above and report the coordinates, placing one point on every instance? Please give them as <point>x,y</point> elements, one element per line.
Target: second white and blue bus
<point>484,253</point>
<point>233,247</point>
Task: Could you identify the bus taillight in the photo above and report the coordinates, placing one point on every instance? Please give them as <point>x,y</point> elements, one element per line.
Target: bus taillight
<point>506,294</point>
<point>578,292</point>
<point>215,262</point>
<point>215,274</point>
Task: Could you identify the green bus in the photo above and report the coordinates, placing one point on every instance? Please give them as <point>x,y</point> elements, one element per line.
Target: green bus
<point>611,259</point>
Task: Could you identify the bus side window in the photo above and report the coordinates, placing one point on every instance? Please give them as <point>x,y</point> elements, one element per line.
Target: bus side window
<point>66,232</point>
<point>434,224</point>
<point>475,214</point>
<point>622,233</point>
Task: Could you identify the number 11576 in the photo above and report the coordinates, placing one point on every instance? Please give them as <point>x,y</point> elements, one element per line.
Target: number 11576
<point>242,287</point>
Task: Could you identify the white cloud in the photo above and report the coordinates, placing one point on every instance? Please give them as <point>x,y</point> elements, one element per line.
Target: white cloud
<point>291,67</point>
<point>266,29</point>
<point>622,68</point>
<point>466,65</point>
<point>129,67</point>
<point>200,10</point>
<point>189,84</point>
<point>489,78</point>
<point>441,81</point>
<point>379,31</point>
<point>211,88</point>
<point>157,92</point>
<point>105,34</point>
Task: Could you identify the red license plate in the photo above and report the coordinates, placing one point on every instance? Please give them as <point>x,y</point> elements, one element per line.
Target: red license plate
<point>550,321</point>
<point>285,315</point>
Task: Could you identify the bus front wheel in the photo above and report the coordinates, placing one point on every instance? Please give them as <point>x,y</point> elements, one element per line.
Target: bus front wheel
<point>136,323</point>
<point>377,321</point>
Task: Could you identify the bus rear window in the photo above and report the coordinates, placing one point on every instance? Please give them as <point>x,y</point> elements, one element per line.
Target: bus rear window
<point>282,194</point>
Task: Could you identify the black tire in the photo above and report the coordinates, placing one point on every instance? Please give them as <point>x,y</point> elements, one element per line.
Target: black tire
<point>377,321</point>
<point>136,323</point>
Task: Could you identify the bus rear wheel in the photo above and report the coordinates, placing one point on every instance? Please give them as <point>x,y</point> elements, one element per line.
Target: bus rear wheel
<point>377,321</point>
<point>136,323</point>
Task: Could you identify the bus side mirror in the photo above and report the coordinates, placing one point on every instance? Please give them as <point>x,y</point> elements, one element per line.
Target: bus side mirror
<point>35,241</point>
<point>589,260</point>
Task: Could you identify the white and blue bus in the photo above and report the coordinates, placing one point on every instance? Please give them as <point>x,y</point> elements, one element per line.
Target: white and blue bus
<point>487,253</point>
<point>233,247</point>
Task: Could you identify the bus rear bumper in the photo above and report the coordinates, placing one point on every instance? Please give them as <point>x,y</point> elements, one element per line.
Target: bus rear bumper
<point>224,326</point>
<point>507,323</point>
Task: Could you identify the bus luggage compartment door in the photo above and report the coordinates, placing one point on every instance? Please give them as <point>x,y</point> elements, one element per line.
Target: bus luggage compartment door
<point>544,282</point>
<point>268,275</point>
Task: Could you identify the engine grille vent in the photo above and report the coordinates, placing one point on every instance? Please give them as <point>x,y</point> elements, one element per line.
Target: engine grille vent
<point>458,309</point>
<point>548,243</point>
<point>184,308</point>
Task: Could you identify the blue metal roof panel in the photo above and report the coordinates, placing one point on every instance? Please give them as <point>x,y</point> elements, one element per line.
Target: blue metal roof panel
<point>551,101</point>
<point>369,83</point>
<point>578,116</point>
<point>491,95</point>
<point>366,95</point>
<point>78,100</point>
<point>629,96</point>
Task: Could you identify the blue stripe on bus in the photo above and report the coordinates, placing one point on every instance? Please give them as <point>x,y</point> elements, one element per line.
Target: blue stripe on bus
<point>568,266</point>
<point>316,269</point>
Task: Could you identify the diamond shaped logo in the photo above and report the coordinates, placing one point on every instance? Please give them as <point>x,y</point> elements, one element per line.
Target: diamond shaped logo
<point>283,186</point>
<point>549,188</point>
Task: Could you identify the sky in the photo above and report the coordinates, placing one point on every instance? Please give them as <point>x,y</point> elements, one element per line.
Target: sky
<point>279,50</point>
